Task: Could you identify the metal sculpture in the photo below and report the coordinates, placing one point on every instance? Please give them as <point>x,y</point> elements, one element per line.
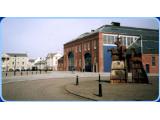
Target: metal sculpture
<point>118,68</point>
<point>138,73</point>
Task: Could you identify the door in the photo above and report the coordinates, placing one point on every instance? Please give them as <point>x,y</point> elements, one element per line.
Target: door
<point>147,68</point>
<point>88,63</point>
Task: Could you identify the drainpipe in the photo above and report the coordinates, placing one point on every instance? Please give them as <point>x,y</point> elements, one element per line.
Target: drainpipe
<point>141,45</point>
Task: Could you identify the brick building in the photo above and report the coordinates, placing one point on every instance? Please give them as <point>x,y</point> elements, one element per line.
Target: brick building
<point>89,51</point>
<point>60,64</point>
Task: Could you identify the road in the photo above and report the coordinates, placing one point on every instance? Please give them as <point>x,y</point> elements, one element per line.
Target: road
<point>42,87</point>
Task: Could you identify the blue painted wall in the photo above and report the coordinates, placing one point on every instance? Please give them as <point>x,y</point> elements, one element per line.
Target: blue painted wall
<point>107,57</point>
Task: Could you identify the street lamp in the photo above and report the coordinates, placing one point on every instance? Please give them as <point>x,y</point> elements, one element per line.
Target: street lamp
<point>40,65</point>
<point>7,64</point>
<point>15,65</point>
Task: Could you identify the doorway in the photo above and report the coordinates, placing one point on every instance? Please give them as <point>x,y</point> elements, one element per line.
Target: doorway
<point>88,62</point>
<point>147,68</point>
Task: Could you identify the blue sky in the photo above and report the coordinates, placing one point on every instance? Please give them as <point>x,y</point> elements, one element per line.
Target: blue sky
<point>39,36</point>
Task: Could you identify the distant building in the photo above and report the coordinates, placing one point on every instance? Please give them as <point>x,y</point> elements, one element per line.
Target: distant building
<point>40,64</point>
<point>89,51</point>
<point>14,61</point>
<point>31,63</point>
<point>52,60</point>
<point>60,64</point>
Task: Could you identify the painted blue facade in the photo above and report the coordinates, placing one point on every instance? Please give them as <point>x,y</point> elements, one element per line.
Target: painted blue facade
<point>107,57</point>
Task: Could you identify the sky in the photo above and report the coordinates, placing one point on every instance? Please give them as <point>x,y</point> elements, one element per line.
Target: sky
<point>39,36</point>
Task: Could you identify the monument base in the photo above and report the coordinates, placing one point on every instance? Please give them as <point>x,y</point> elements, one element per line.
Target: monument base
<point>117,81</point>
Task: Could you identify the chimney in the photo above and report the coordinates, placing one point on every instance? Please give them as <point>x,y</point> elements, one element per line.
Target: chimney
<point>115,24</point>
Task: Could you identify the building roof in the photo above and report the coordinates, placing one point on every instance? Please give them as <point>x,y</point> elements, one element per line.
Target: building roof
<point>61,59</point>
<point>51,55</point>
<point>40,62</point>
<point>150,37</point>
<point>124,30</point>
<point>17,54</point>
<point>31,60</point>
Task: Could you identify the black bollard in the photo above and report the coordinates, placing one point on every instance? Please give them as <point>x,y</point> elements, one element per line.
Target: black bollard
<point>21,73</point>
<point>14,73</point>
<point>100,90</point>
<point>77,82</point>
<point>99,78</point>
<point>6,73</point>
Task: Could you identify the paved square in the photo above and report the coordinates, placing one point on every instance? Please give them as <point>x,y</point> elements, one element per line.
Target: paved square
<point>60,86</point>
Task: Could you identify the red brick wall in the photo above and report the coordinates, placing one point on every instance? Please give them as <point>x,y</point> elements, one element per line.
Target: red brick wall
<point>100,53</point>
<point>147,59</point>
<point>72,46</point>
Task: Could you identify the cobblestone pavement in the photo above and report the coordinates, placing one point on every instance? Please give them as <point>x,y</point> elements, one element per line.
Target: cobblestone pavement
<point>43,86</point>
<point>51,86</point>
<point>39,90</point>
<point>117,92</point>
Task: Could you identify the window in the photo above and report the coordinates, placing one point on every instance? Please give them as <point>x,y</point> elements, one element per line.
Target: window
<point>76,49</point>
<point>79,62</point>
<point>95,44</point>
<point>129,41</point>
<point>88,46</point>
<point>95,60</point>
<point>153,61</point>
<point>104,39</point>
<point>80,48</point>
<point>123,40</point>
<point>22,63</point>
<point>109,39</point>
<point>85,48</point>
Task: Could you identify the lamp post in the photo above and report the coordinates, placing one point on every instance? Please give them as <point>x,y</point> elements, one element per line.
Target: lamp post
<point>3,68</point>
<point>7,65</point>
<point>40,65</point>
<point>15,66</point>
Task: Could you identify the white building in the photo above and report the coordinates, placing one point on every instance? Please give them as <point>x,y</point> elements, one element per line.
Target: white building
<point>52,60</point>
<point>31,63</point>
<point>14,61</point>
<point>40,64</point>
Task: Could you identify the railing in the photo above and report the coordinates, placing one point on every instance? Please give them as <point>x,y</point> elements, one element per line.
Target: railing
<point>23,73</point>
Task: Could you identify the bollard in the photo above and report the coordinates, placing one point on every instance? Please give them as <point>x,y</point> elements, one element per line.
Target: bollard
<point>100,90</point>
<point>99,78</point>
<point>32,72</point>
<point>21,73</point>
<point>40,71</point>
<point>6,73</point>
<point>27,72</point>
<point>77,82</point>
<point>14,73</point>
